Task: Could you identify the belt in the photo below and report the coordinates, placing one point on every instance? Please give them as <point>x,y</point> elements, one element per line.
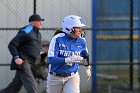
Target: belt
<point>62,75</point>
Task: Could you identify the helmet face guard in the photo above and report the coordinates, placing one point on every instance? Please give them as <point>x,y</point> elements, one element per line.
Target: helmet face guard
<point>71,21</point>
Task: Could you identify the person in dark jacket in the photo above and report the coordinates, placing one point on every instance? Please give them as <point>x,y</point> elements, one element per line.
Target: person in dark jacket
<point>42,68</point>
<point>25,49</point>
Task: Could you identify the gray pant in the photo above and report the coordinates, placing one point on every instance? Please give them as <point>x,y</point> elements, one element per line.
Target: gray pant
<point>70,84</point>
<point>23,77</point>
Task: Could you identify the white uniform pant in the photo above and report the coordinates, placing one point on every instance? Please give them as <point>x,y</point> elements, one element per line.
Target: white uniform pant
<point>70,84</point>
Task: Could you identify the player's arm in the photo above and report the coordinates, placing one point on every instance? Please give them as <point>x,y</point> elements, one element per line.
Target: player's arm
<point>84,53</point>
<point>53,57</point>
<point>53,53</point>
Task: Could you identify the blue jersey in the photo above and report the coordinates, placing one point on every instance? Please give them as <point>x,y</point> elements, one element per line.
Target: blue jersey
<point>62,46</point>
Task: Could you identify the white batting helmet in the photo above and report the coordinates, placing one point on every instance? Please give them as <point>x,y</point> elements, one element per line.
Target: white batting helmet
<point>71,21</point>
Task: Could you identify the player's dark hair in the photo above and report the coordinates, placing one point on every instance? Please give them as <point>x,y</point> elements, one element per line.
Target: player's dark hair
<point>57,32</point>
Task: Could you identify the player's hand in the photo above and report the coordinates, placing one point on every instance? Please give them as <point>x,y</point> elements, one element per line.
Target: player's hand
<point>70,64</point>
<point>42,52</point>
<point>74,58</point>
<point>88,72</point>
<point>19,61</point>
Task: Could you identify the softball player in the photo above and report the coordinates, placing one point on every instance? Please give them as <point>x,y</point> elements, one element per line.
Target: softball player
<point>64,55</point>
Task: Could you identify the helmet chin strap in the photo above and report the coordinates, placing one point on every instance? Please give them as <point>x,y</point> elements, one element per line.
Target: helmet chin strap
<point>72,31</point>
<point>82,34</point>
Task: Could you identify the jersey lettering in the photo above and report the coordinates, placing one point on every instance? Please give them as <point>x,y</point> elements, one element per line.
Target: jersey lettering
<point>68,53</point>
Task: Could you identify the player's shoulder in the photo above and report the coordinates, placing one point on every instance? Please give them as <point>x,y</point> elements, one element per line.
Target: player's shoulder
<point>27,29</point>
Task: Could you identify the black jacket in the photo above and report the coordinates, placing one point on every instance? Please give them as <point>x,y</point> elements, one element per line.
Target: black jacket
<point>26,44</point>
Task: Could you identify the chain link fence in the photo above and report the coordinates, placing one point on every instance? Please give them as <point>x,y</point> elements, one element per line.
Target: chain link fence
<point>113,38</point>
